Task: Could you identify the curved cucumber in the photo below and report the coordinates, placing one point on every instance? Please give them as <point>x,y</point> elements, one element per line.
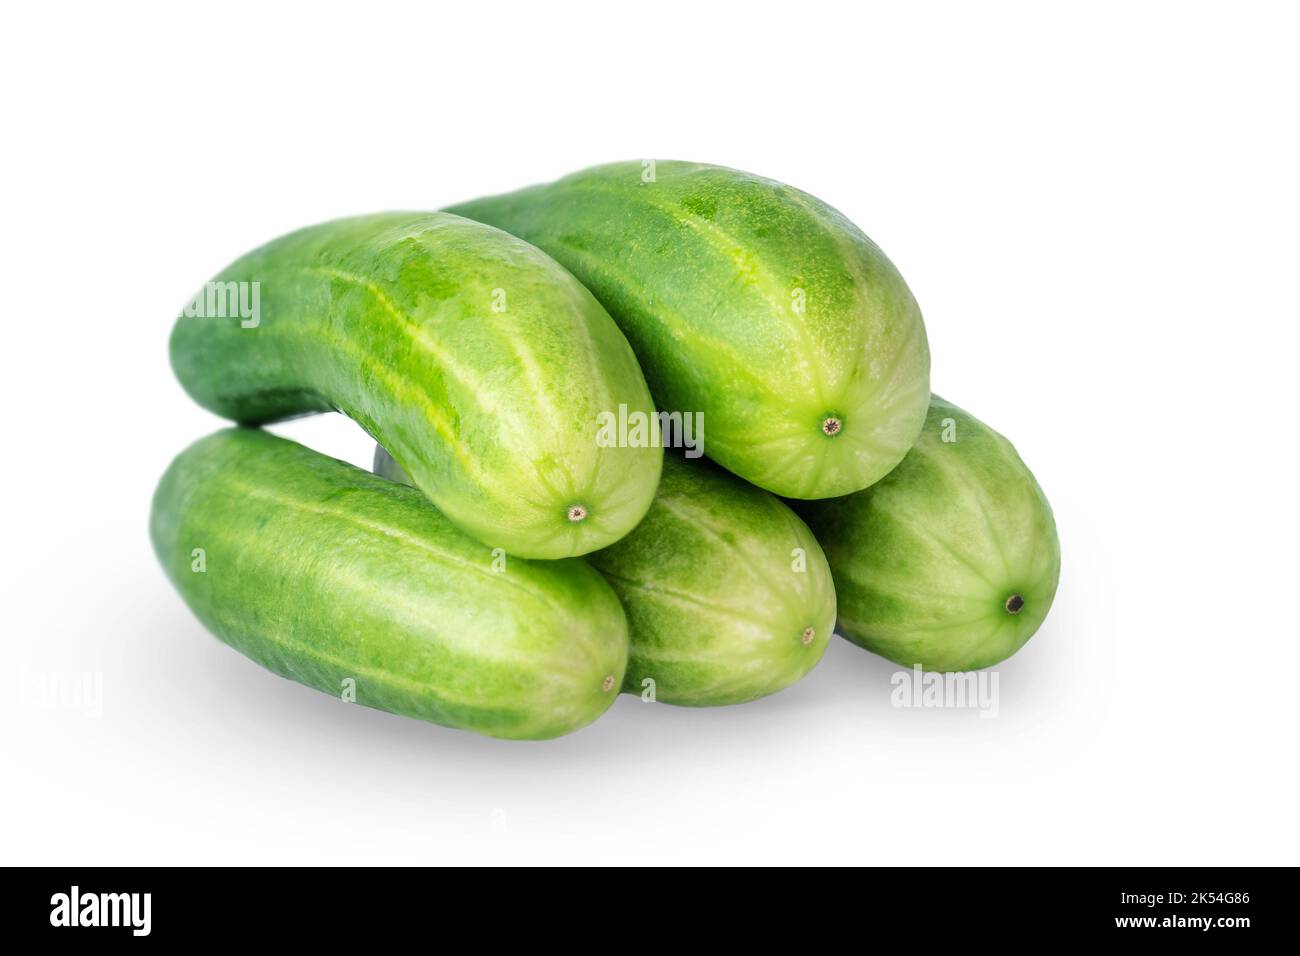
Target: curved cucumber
<point>951,561</point>
<point>751,302</point>
<point>325,574</point>
<point>472,356</point>
<point>728,595</point>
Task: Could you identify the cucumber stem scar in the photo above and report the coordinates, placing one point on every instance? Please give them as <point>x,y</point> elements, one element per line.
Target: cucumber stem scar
<point>577,512</point>
<point>807,635</point>
<point>831,426</point>
<point>1014,604</point>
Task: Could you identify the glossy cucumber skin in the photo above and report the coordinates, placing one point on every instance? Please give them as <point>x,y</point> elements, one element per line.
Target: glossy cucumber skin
<point>749,301</point>
<point>717,612</point>
<point>322,572</point>
<point>926,560</point>
<point>394,320</point>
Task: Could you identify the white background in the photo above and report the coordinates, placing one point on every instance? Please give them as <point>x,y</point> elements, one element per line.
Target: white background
<point>1096,206</point>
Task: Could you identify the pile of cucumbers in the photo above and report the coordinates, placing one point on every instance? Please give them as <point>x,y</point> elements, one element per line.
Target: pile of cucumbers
<point>541,371</point>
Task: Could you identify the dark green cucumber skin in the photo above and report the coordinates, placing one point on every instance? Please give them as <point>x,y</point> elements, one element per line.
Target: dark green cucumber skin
<point>717,613</point>
<point>700,269</point>
<point>392,320</point>
<point>322,572</point>
<point>926,559</point>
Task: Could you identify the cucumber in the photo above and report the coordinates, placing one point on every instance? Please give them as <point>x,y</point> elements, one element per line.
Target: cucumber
<point>952,560</point>
<point>728,595</point>
<point>475,358</point>
<point>345,582</point>
<point>750,302</point>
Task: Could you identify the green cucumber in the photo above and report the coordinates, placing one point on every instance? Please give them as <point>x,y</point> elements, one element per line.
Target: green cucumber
<point>345,582</point>
<point>728,595</point>
<point>952,560</point>
<point>475,358</point>
<point>750,302</point>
